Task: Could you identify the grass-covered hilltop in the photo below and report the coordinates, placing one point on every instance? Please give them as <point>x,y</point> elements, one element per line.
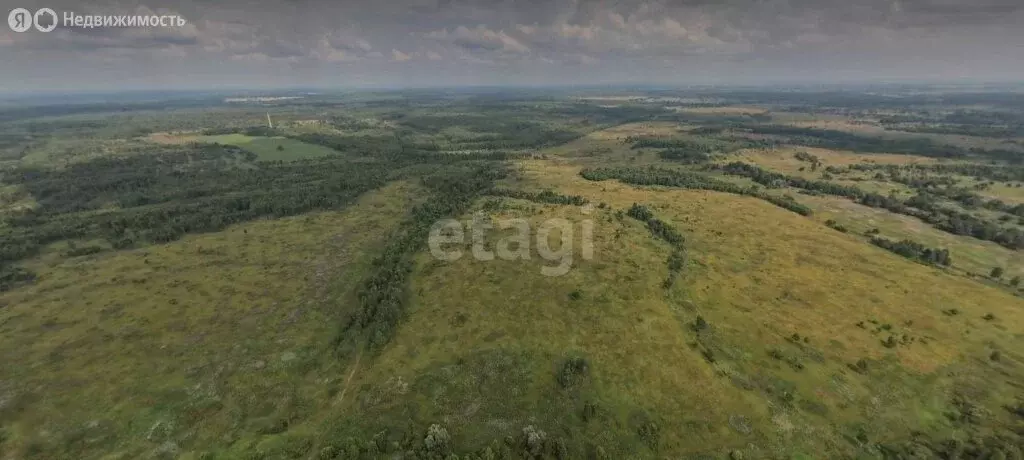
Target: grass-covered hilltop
<point>679,274</point>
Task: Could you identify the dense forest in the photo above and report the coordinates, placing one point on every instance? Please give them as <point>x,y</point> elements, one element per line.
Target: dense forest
<point>156,198</point>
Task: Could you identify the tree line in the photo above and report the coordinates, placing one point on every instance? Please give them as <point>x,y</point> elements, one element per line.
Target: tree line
<point>945,186</point>
<point>664,231</point>
<point>689,180</point>
<point>922,206</point>
<point>841,140</point>
<point>776,180</point>
<point>546,196</point>
<point>720,144</point>
<point>914,251</point>
<point>1004,173</point>
<point>382,296</point>
<point>1006,124</point>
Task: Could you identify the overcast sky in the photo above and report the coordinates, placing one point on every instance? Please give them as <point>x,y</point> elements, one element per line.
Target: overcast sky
<point>348,43</point>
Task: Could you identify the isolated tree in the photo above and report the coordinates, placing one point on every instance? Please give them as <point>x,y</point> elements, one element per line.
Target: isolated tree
<point>1015,281</point>
<point>280,148</point>
<point>997,272</point>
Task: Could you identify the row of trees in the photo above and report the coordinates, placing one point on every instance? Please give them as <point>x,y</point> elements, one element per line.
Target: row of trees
<point>644,142</point>
<point>772,179</point>
<point>961,223</point>
<point>658,227</point>
<point>706,145</point>
<point>971,200</point>
<point>382,296</point>
<point>841,140</point>
<point>547,196</point>
<point>668,233</point>
<point>914,251</point>
<point>922,206</point>
<point>1005,124</point>
<point>1004,173</point>
<point>945,187</point>
<point>685,156</point>
<point>941,185</point>
<point>685,179</point>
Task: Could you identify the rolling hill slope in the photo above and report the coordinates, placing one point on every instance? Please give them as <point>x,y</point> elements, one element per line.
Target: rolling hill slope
<point>783,339</point>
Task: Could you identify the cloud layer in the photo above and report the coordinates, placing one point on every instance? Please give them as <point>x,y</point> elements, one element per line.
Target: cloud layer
<point>454,42</point>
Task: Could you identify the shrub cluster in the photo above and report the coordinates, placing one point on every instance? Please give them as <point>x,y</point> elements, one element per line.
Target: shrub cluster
<point>915,251</point>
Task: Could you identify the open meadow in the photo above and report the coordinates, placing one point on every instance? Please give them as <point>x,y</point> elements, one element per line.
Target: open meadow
<point>694,274</point>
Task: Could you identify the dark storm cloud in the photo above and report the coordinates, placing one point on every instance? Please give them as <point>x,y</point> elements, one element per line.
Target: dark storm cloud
<point>428,42</point>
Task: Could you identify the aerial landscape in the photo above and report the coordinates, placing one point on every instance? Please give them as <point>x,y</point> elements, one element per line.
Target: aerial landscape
<point>535,269</point>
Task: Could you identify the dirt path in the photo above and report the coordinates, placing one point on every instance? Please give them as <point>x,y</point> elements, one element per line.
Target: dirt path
<point>348,379</point>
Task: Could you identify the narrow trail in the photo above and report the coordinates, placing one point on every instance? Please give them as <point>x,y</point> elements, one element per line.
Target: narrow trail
<point>348,379</point>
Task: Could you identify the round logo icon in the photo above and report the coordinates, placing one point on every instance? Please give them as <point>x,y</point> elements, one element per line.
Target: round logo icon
<point>50,25</point>
<point>20,19</point>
